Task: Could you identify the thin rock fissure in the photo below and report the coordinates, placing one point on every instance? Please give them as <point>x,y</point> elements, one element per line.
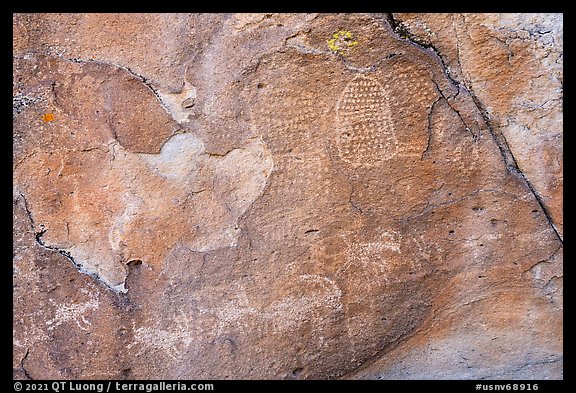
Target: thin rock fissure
<point>66,254</point>
<point>24,370</point>
<point>140,77</point>
<point>499,138</point>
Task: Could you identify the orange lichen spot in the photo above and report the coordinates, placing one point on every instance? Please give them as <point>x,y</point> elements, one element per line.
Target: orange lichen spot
<point>48,117</point>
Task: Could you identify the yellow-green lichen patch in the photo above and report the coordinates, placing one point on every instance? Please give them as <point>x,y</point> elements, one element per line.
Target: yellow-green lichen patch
<point>341,42</point>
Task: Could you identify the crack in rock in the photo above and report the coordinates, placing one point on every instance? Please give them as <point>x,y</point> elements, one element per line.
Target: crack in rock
<point>497,135</point>
<point>23,368</point>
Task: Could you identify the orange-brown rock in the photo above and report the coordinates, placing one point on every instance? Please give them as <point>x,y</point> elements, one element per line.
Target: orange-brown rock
<point>513,64</point>
<point>276,196</point>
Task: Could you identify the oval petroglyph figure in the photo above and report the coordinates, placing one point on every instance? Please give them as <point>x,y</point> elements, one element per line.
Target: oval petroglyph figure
<point>364,123</point>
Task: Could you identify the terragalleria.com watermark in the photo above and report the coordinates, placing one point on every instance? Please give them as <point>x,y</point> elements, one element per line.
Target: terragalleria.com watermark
<point>101,387</point>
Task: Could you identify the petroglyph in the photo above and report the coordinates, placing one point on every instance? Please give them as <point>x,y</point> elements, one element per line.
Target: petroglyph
<point>313,300</point>
<point>233,313</point>
<point>287,115</point>
<point>284,196</point>
<point>366,135</point>
<point>172,342</point>
<point>374,253</point>
<point>74,312</point>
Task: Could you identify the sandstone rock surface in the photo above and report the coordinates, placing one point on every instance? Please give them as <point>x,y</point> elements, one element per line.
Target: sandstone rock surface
<point>513,64</point>
<point>287,196</point>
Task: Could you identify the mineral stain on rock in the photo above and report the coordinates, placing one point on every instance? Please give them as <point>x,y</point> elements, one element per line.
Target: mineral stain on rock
<point>285,196</point>
<point>48,117</point>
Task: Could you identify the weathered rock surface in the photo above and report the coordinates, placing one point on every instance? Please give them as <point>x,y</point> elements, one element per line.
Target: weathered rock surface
<point>513,64</point>
<point>287,196</point>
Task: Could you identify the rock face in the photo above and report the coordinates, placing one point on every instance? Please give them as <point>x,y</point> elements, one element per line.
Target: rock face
<point>513,64</point>
<point>287,196</point>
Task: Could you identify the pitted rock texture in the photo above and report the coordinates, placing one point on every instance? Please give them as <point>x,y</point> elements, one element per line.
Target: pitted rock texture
<point>513,64</point>
<point>239,197</point>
